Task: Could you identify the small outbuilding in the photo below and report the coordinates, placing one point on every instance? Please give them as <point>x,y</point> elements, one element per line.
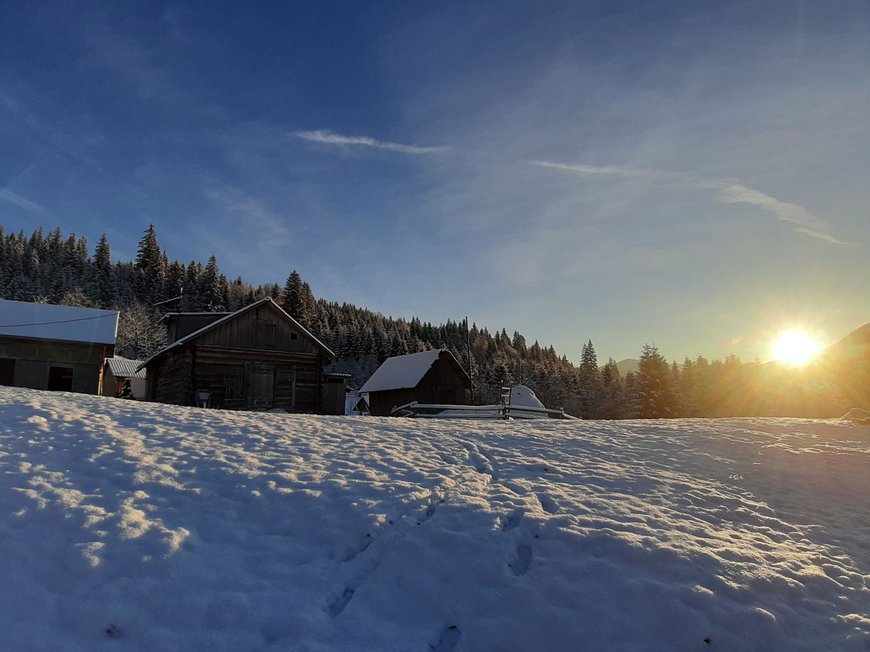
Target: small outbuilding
<point>258,357</point>
<point>61,348</point>
<point>355,403</point>
<point>427,377</point>
<point>122,378</point>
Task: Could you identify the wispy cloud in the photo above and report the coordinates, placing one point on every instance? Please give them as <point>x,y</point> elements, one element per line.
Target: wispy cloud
<point>18,200</point>
<point>233,202</point>
<point>330,138</point>
<point>595,170</point>
<point>804,221</point>
<point>727,192</point>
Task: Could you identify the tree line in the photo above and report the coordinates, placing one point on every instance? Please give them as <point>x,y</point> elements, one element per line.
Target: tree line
<point>54,268</point>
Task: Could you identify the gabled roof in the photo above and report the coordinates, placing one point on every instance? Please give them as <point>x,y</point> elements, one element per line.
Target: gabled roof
<point>125,368</point>
<point>406,371</point>
<point>230,316</point>
<point>169,316</point>
<point>50,322</point>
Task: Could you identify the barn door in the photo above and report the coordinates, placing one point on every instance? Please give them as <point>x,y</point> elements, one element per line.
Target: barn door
<point>261,386</point>
<point>7,371</point>
<point>285,388</point>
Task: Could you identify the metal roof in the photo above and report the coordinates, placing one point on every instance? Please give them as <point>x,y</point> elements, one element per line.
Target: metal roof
<point>52,322</point>
<point>125,368</point>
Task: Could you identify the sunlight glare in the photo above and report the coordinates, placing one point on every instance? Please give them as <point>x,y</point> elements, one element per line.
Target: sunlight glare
<point>795,347</point>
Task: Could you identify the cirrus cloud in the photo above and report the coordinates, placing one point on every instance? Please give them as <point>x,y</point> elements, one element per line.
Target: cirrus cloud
<point>330,138</point>
<point>728,192</point>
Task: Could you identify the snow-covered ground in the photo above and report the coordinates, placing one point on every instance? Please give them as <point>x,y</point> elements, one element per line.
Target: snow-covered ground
<point>129,526</point>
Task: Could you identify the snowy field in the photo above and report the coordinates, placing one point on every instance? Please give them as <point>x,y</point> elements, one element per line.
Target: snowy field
<point>128,526</point>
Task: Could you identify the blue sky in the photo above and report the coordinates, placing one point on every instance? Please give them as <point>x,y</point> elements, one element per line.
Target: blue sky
<point>690,174</point>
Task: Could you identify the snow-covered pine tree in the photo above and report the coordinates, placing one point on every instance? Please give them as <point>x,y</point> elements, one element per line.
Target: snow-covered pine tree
<point>589,383</point>
<point>151,273</point>
<point>102,284</point>
<point>212,286</point>
<point>656,393</point>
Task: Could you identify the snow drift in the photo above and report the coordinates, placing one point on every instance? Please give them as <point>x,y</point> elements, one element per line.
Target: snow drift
<point>128,526</point>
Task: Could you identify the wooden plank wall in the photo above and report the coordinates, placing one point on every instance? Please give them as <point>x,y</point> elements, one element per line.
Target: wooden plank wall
<point>216,364</point>
<point>263,328</point>
<point>170,378</point>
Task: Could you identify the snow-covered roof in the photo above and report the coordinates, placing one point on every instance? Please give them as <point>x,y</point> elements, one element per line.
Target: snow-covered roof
<point>523,396</point>
<point>233,315</point>
<point>50,322</point>
<point>125,368</point>
<point>403,371</point>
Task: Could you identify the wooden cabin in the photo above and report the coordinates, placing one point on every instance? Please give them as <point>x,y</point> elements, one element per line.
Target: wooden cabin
<point>428,377</point>
<point>59,348</point>
<point>257,358</point>
<point>123,379</point>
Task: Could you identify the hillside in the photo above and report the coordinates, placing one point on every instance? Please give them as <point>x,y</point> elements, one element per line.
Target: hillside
<point>847,363</point>
<point>130,526</point>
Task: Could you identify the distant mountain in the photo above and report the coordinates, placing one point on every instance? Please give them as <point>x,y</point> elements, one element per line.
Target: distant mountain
<point>629,365</point>
<point>856,345</point>
<point>847,364</point>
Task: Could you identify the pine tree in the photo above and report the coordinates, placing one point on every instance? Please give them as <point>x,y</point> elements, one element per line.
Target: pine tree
<point>103,283</point>
<point>658,399</point>
<point>212,287</point>
<point>191,300</point>
<point>589,381</point>
<point>298,300</point>
<point>612,392</point>
<point>150,268</point>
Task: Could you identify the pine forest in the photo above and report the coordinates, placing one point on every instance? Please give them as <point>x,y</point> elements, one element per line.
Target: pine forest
<point>57,268</point>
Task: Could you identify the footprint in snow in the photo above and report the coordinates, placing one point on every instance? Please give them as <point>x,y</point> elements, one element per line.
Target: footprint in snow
<point>359,548</point>
<point>520,565</point>
<point>338,603</point>
<point>511,521</point>
<point>447,640</point>
<point>429,512</point>
<point>548,503</point>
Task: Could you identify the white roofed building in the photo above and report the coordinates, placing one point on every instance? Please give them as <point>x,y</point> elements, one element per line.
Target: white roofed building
<point>427,377</point>
<point>45,346</point>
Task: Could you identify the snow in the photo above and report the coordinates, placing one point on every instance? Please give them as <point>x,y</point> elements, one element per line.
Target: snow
<point>523,396</point>
<point>52,322</point>
<point>131,526</point>
<point>401,371</point>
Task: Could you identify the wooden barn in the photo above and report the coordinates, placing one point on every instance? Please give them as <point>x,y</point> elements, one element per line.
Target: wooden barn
<point>428,377</point>
<point>62,348</point>
<point>257,358</point>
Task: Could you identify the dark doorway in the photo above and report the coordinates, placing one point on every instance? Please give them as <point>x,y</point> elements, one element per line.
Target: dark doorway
<point>60,379</point>
<point>7,371</point>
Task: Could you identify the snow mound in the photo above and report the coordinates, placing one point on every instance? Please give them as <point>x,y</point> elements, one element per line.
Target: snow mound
<point>148,527</point>
<point>523,396</point>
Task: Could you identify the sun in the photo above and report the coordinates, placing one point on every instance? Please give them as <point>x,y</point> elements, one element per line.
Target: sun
<point>795,347</point>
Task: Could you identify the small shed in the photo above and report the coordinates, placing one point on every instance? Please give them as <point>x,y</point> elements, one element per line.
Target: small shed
<point>61,348</point>
<point>258,357</point>
<point>123,379</point>
<point>355,403</point>
<point>427,377</point>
